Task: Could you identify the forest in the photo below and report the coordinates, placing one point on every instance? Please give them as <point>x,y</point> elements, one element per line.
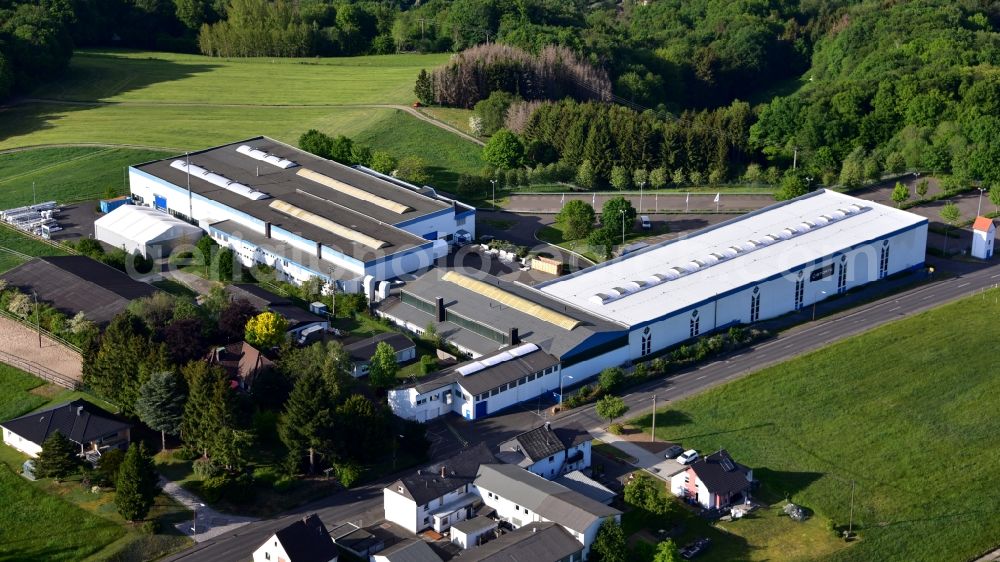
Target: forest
<point>841,90</point>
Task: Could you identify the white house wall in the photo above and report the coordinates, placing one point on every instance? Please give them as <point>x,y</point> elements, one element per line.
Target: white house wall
<point>21,444</point>
<point>400,510</point>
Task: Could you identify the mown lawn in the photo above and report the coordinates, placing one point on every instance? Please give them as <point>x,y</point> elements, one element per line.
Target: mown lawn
<point>156,77</point>
<point>67,174</point>
<point>45,520</point>
<point>14,245</point>
<point>908,412</point>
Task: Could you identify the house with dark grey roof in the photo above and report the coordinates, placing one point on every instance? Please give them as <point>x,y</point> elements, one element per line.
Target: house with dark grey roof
<point>92,428</point>
<point>306,540</point>
<point>548,452</point>
<point>260,298</point>
<point>523,498</point>
<point>73,284</point>
<point>415,550</point>
<point>362,351</point>
<point>715,481</point>
<point>437,496</point>
<point>537,542</point>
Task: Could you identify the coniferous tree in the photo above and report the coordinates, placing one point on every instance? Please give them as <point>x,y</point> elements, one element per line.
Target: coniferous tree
<point>161,404</point>
<point>361,425</point>
<point>423,89</point>
<point>197,425</point>
<point>58,457</point>
<point>137,484</point>
<point>308,421</point>
<point>599,149</point>
<point>229,441</point>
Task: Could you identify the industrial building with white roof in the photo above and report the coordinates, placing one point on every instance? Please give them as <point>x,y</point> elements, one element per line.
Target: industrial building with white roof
<point>751,268</point>
<point>304,215</point>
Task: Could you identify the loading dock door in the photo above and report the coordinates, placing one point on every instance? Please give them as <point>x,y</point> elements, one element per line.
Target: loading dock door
<point>481,409</point>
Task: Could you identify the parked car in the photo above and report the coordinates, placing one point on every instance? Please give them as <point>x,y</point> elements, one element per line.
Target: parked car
<point>695,548</point>
<point>688,457</point>
<point>646,224</point>
<point>673,452</point>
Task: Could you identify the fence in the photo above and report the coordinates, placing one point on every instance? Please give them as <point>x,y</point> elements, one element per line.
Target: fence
<point>39,371</point>
<point>28,323</point>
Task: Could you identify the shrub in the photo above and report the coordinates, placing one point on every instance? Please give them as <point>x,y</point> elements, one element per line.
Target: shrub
<point>150,527</point>
<point>206,469</point>
<point>616,428</point>
<point>186,453</point>
<point>427,365</point>
<point>347,474</point>
<point>610,378</point>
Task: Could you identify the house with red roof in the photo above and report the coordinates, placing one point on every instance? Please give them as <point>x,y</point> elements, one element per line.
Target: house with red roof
<point>984,232</point>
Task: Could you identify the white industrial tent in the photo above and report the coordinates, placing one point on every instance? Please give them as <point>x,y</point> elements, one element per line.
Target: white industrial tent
<point>144,231</point>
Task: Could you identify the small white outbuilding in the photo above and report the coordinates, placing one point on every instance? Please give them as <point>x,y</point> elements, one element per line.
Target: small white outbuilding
<point>984,232</point>
<point>144,231</point>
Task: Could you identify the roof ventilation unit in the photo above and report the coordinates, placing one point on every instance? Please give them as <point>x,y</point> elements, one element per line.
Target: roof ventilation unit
<point>266,157</point>
<point>219,180</point>
<point>599,298</point>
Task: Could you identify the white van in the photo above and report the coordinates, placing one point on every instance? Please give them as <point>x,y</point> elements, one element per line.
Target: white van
<point>646,224</point>
<point>688,457</point>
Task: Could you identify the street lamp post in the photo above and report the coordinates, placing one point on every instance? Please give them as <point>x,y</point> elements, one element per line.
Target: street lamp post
<point>494,182</point>
<point>561,386</point>
<point>642,184</point>
<point>816,300</point>
<point>194,520</point>
<point>652,433</point>
<point>979,209</point>
<point>38,323</point>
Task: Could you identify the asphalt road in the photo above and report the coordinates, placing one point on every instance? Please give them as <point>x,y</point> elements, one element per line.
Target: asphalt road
<point>365,504</point>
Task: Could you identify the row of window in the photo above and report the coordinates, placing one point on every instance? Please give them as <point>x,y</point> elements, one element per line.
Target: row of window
<point>455,318</point>
<point>520,381</point>
<point>434,397</point>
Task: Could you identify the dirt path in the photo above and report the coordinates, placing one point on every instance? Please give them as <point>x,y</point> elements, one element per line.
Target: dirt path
<point>22,342</point>
<point>410,110</point>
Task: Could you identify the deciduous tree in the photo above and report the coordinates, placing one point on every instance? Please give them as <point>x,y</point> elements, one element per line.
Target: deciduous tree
<point>577,218</point>
<point>383,367</point>
<point>504,150</point>
<point>900,194</point>
<point>611,407</point>
<point>609,544</point>
<point>266,330</point>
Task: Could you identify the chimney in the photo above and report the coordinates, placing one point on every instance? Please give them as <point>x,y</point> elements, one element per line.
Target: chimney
<point>439,301</point>
<point>443,470</point>
<point>319,250</point>
<point>79,410</point>
<point>514,337</point>
<point>267,229</point>
<point>548,426</point>
<point>534,530</point>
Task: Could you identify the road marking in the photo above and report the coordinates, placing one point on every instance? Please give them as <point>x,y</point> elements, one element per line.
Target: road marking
<point>823,332</point>
<point>927,297</point>
<point>894,309</point>
<point>994,276</point>
<point>701,377</point>
<point>963,284</point>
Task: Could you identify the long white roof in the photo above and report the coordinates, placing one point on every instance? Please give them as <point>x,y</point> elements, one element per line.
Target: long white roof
<point>676,274</point>
<point>145,225</point>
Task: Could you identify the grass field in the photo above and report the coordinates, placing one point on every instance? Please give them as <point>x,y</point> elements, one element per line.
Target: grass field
<point>66,174</point>
<point>155,77</point>
<point>907,412</point>
<point>14,245</point>
<point>45,520</point>
<point>180,102</point>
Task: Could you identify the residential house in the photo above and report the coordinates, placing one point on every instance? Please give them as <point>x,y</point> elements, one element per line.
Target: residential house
<point>438,496</point>
<point>362,351</point>
<point>548,452</point>
<point>523,498</point>
<point>306,540</point>
<point>356,540</point>
<point>415,550</point>
<point>92,428</point>
<point>242,362</point>
<point>537,542</point>
<point>715,481</point>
